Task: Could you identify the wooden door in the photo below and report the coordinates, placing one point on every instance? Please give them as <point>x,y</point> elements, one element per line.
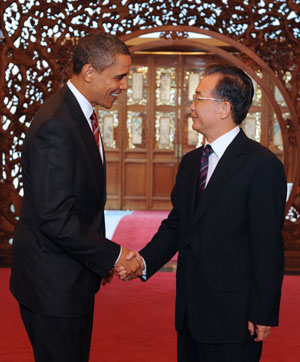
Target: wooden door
<point>157,128</point>
<point>151,134</point>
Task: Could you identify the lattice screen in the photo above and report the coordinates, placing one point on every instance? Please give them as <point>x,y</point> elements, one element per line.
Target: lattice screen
<point>36,38</point>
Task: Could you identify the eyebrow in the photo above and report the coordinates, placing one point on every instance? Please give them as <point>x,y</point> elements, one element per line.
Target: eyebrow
<point>122,75</point>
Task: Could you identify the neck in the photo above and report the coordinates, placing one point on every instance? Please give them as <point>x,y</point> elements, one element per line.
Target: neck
<point>80,85</point>
<point>218,133</point>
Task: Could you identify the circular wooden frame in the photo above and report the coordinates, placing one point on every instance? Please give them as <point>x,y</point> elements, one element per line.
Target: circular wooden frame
<point>291,152</point>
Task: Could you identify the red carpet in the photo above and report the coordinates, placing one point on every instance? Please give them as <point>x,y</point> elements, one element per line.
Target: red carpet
<point>136,230</point>
<point>134,321</point>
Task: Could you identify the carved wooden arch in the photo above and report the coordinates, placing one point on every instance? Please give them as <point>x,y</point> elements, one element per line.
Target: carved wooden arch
<point>291,151</point>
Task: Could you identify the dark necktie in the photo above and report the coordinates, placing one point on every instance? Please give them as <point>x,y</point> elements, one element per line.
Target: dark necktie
<point>206,152</point>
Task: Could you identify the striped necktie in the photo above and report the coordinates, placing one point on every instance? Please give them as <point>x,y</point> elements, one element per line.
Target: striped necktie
<point>206,152</point>
<point>95,128</point>
<point>96,132</point>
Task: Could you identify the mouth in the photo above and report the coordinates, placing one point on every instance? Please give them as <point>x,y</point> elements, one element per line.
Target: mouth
<point>115,95</point>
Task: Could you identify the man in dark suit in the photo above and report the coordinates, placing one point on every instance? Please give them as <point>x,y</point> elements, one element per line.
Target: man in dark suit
<point>227,230</point>
<point>60,253</point>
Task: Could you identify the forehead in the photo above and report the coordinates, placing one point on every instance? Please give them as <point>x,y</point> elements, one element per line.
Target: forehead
<point>208,84</point>
<point>122,63</point>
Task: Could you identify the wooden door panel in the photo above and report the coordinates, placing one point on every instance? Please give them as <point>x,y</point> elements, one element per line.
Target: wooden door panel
<point>135,185</point>
<point>163,179</point>
<point>135,179</point>
<point>113,184</point>
<point>136,137</point>
<point>165,130</point>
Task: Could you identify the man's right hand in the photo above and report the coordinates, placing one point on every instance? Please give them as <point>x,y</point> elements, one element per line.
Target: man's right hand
<point>130,265</point>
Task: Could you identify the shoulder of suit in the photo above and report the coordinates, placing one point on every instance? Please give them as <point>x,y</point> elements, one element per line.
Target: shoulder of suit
<point>55,110</point>
<point>55,107</point>
<point>261,154</point>
<point>192,154</point>
<point>257,148</point>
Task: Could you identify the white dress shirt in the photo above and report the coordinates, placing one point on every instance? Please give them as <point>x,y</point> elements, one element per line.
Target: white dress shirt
<point>87,110</point>
<point>219,147</point>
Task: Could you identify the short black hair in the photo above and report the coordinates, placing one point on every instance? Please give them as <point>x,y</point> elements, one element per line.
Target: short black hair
<point>98,49</point>
<point>234,86</point>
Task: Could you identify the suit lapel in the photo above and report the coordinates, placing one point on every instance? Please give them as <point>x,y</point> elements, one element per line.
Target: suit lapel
<point>191,187</point>
<point>232,159</point>
<point>87,137</point>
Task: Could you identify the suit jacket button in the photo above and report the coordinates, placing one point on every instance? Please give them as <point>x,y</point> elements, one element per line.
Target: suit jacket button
<point>189,246</point>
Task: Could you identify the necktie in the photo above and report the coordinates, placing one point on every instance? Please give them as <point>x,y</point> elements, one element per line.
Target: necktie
<point>95,128</point>
<point>96,132</point>
<point>206,152</point>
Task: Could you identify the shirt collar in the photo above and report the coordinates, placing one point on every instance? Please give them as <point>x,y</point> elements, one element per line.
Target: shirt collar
<point>85,105</point>
<point>220,144</point>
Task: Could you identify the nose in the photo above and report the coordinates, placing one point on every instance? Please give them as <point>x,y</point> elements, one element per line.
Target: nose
<point>124,83</point>
<point>192,106</point>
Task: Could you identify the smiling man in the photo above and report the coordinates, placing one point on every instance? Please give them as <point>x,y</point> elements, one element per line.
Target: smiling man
<point>60,253</point>
<point>226,221</point>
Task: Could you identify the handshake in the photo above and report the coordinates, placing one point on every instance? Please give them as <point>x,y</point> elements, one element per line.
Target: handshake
<point>129,266</point>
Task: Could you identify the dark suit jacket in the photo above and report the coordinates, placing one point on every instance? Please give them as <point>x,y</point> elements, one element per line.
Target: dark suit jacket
<point>230,261</point>
<point>60,251</point>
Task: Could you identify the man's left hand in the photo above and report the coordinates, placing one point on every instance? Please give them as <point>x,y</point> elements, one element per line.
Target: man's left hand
<point>108,278</point>
<point>262,332</point>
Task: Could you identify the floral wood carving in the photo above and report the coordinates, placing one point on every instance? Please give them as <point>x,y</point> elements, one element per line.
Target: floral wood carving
<point>36,38</point>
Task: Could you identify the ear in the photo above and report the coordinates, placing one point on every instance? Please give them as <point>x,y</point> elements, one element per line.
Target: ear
<point>225,109</point>
<point>87,72</point>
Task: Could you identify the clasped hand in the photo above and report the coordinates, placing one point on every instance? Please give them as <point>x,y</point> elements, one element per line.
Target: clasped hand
<point>262,332</point>
<point>130,265</point>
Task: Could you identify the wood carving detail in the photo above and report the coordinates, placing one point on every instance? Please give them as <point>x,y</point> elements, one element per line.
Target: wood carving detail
<point>36,39</point>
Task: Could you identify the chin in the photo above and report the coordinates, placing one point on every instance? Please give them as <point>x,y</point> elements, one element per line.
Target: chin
<point>107,105</point>
<point>194,128</point>
<point>110,104</point>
